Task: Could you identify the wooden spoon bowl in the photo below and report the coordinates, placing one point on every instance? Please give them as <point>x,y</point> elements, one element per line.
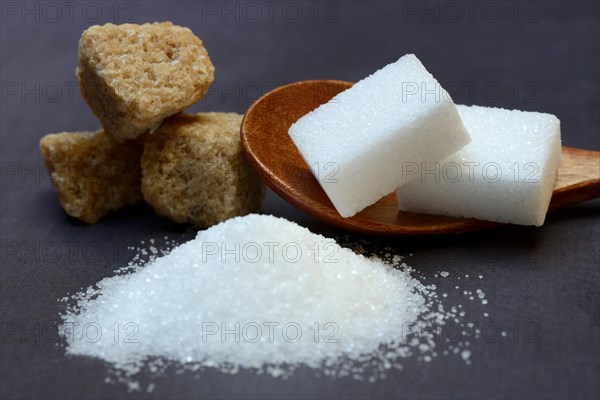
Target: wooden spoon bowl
<point>272,153</point>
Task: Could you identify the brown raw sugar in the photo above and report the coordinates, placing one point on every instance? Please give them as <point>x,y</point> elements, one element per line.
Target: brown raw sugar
<point>134,76</point>
<point>194,170</point>
<point>93,173</point>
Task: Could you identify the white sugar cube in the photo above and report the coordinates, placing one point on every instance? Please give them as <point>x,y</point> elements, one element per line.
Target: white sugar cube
<point>506,174</point>
<point>357,142</point>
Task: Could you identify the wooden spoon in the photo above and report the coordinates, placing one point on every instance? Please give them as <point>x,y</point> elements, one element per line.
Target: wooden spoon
<point>272,153</point>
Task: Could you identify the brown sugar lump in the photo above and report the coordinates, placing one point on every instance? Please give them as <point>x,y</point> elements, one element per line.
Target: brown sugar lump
<point>194,170</point>
<point>93,173</point>
<point>134,76</point>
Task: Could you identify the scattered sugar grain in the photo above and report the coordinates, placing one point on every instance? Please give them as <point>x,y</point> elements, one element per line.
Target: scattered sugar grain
<point>465,354</point>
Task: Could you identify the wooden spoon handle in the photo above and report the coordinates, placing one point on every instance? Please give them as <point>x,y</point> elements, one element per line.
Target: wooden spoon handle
<point>578,177</point>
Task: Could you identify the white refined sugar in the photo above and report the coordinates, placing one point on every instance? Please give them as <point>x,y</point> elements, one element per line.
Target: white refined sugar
<point>256,292</point>
<point>506,174</point>
<point>356,143</point>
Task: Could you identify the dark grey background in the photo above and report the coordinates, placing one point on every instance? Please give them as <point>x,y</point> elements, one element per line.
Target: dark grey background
<point>542,283</point>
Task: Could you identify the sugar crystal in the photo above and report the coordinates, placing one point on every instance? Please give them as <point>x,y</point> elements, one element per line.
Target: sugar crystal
<point>253,293</point>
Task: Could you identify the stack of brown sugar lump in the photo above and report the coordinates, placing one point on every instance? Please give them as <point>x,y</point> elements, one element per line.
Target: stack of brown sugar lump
<point>137,79</point>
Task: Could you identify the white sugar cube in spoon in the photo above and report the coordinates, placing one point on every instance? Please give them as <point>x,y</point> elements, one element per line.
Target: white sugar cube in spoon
<point>357,142</point>
<point>506,174</point>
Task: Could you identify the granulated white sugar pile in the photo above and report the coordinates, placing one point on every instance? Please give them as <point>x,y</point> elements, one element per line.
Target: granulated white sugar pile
<point>257,292</point>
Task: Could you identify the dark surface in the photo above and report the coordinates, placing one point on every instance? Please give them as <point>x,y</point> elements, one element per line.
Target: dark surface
<point>543,283</point>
